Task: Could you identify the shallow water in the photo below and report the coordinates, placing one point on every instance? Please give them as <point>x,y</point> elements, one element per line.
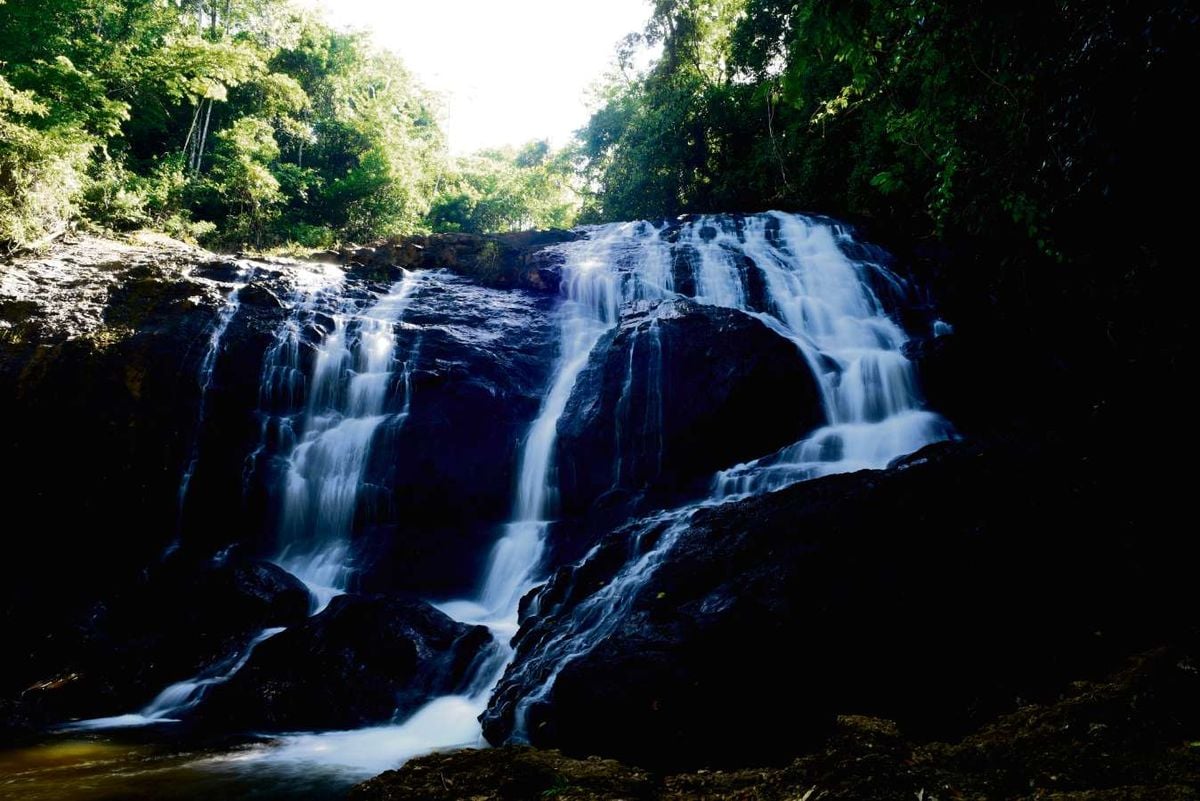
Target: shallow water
<point>74,768</point>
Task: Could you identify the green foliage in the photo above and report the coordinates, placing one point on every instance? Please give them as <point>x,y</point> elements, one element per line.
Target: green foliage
<point>242,177</point>
<point>41,167</point>
<point>507,190</point>
<point>956,119</point>
<point>248,113</point>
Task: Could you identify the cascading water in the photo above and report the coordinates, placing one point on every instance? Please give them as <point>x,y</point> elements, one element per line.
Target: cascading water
<point>827,304</point>
<point>815,296</point>
<point>181,696</point>
<point>283,383</point>
<point>345,405</point>
<point>592,298</point>
<point>792,273</point>
<point>591,307</point>
<point>641,395</point>
<point>352,377</point>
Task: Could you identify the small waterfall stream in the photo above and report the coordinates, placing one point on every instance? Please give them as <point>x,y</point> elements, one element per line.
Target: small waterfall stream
<point>343,407</point>
<point>352,377</point>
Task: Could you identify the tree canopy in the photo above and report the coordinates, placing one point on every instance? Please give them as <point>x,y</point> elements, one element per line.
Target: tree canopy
<point>946,118</point>
<point>238,122</point>
<point>250,121</point>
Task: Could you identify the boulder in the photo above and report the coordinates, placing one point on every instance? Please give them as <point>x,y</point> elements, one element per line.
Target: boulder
<point>187,616</point>
<point>937,593</point>
<point>672,396</point>
<point>363,660</point>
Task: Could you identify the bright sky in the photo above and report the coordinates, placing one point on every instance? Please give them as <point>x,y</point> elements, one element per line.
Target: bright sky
<point>508,70</point>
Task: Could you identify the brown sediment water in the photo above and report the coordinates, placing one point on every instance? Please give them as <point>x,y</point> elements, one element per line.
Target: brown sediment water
<point>96,769</point>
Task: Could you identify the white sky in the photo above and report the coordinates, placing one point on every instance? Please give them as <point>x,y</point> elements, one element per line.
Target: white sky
<point>508,70</point>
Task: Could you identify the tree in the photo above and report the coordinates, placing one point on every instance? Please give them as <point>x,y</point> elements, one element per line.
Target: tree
<point>41,167</point>
<point>242,176</point>
<point>507,190</point>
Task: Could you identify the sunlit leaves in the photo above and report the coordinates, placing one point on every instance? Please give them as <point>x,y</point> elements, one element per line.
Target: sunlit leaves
<point>506,190</point>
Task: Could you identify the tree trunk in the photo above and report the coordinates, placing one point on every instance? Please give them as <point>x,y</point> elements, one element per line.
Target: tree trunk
<point>203,137</point>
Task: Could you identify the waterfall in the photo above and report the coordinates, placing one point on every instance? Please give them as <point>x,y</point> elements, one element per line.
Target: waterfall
<point>834,309</point>
<point>352,377</point>
<point>344,403</point>
<point>592,296</point>
<point>282,385</point>
<point>827,304</point>
<point>815,296</point>
<point>591,306</point>
<point>325,425</point>
<point>806,279</point>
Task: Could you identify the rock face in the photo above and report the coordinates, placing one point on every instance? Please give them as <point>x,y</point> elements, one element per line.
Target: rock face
<point>481,360</point>
<point>1147,713</point>
<point>920,593</point>
<point>676,394</point>
<point>362,660</point>
<point>186,616</point>
<point>101,350</point>
<point>506,261</point>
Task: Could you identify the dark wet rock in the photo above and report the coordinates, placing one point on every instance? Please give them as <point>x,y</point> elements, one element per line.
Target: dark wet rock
<point>257,295</point>
<point>496,260</point>
<point>953,373</point>
<point>937,593</point>
<point>97,372</point>
<point>671,397</point>
<point>363,660</point>
<point>1129,736</point>
<point>482,358</point>
<point>185,617</point>
<point>259,594</point>
<point>220,269</point>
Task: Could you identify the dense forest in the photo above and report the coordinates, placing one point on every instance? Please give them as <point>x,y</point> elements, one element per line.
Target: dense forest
<point>250,121</point>
<point>1018,122</point>
<point>235,122</point>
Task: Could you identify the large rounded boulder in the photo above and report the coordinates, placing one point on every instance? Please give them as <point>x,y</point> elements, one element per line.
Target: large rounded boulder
<point>184,619</point>
<point>938,593</point>
<point>363,660</point>
<point>672,396</point>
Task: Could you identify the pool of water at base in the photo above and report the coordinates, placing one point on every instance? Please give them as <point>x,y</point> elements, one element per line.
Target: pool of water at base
<point>106,768</point>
